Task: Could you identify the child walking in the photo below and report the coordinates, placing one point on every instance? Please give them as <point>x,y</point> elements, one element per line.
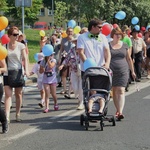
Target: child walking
<point>35,70</point>
<point>72,59</point>
<point>48,67</point>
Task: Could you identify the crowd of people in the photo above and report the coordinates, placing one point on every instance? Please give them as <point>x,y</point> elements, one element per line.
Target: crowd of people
<point>125,54</point>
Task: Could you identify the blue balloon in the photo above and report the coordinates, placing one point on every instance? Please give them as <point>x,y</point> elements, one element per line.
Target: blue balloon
<point>2,33</point>
<point>71,23</point>
<point>89,62</point>
<point>148,27</point>
<point>120,15</point>
<point>48,50</point>
<point>135,20</point>
<point>137,27</point>
<point>36,57</point>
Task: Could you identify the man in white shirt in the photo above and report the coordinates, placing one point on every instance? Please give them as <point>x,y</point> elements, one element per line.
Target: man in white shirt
<point>94,45</point>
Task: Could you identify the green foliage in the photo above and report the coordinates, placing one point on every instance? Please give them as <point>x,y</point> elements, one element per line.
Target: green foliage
<point>60,13</point>
<point>30,12</point>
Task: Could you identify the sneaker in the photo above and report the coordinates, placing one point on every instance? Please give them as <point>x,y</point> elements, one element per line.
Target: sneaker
<point>5,127</point>
<point>41,105</point>
<point>56,107</point>
<point>46,111</point>
<point>80,107</point>
<point>18,119</point>
<point>148,77</point>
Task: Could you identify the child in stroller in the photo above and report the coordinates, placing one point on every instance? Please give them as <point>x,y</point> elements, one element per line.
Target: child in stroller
<point>96,98</point>
<point>96,83</point>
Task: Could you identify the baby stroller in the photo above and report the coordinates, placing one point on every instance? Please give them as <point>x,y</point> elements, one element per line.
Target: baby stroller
<point>96,79</point>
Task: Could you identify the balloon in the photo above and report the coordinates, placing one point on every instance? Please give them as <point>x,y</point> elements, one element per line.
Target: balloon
<point>42,33</point>
<point>115,25</point>
<point>64,34</point>
<point>137,27</point>
<point>48,50</point>
<point>3,23</point>
<point>36,57</point>
<point>71,23</point>
<point>2,33</point>
<point>140,35</point>
<point>148,27</point>
<point>77,29</point>
<point>3,52</point>
<point>89,62</point>
<point>106,29</point>
<point>5,39</point>
<point>120,15</point>
<point>135,20</point>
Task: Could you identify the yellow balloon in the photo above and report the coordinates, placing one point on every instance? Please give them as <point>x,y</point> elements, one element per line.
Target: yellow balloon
<point>77,29</point>
<point>3,22</point>
<point>3,52</point>
<point>42,33</point>
<point>64,34</point>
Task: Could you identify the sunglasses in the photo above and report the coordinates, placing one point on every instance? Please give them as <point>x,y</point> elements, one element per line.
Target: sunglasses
<point>99,27</point>
<point>15,34</point>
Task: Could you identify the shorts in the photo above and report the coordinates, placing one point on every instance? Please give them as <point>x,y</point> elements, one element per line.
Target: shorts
<point>40,85</point>
<point>97,97</point>
<point>147,63</point>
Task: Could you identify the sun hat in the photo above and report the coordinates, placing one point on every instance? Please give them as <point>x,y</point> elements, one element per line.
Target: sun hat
<point>40,56</point>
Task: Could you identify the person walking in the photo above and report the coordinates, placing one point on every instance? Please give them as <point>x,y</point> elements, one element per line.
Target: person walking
<point>35,70</point>
<point>120,63</point>
<point>3,120</point>
<point>48,67</point>
<point>72,60</point>
<point>94,45</point>
<point>139,50</point>
<point>65,47</point>
<point>16,55</point>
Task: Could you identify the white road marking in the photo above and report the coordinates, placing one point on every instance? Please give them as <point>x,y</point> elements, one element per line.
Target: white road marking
<point>63,114</point>
<point>78,112</point>
<point>24,133</point>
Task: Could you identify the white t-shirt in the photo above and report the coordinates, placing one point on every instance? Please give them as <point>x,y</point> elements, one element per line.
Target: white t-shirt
<point>138,44</point>
<point>14,59</point>
<point>35,70</point>
<point>93,48</point>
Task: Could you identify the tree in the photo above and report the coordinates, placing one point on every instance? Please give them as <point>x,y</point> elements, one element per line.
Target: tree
<point>30,13</point>
<point>3,5</point>
<point>60,13</point>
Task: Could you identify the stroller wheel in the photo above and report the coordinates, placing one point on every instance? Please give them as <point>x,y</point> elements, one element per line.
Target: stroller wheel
<point>113,121</point>
<point>86,123</point>
<point>101,125</point>
<point>81,120</point>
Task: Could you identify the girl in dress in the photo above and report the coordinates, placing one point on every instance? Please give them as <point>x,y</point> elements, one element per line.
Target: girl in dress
<point>48,67</point>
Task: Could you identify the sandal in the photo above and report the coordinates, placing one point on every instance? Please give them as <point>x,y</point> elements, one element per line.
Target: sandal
<point>46,111</point>
<point>56,107</point>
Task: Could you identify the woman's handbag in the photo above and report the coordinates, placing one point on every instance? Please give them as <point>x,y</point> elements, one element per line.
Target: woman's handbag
<point>15,78</point>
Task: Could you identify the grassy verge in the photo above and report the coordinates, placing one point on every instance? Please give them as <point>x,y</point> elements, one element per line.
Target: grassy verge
<point>33,38</point>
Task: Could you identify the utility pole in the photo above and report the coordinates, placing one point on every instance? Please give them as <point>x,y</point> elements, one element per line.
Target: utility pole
<point>22,16</point>
<point>23,3</point>
<point>52,12</point>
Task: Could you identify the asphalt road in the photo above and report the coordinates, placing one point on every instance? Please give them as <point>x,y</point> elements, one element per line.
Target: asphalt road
<point>61,129</point>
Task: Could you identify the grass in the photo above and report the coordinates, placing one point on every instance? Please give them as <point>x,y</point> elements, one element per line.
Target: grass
<point>33,38</point>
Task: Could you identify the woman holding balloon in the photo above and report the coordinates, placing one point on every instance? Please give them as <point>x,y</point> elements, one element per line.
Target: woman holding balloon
<point>16,55</point>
